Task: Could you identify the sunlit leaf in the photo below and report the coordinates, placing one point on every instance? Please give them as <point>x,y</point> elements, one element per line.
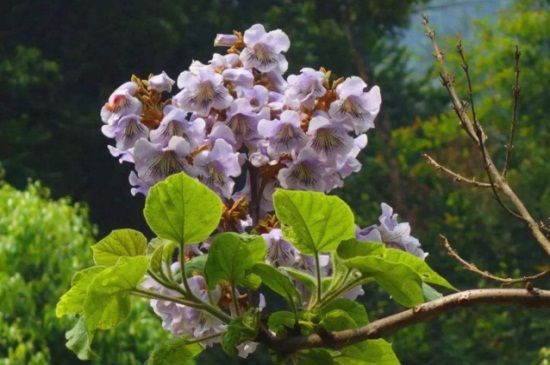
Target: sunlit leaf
<point>119,243</point>
<point>313,222</point>
<point>183,210</point>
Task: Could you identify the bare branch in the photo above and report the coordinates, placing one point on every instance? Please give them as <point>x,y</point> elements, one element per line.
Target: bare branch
<point>516,90</point>
<point>454,175</point>
<point>528,297</point>
<point>474,131</point>
<point>473,268</point>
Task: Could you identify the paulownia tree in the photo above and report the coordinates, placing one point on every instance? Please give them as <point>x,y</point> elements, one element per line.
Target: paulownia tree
<point>236,167</point>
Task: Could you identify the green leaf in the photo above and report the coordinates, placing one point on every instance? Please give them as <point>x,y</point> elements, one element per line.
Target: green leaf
<point>230,256</point>
<point>309,281</point>
<point>239,330</point>
<point>351,248</point>
<point>72,302</point>
<point>79,341</point>
<point>338,320</point>
<point>398,279</point>
<point>418,265</point>
<point>182,209</point>
<point>280,322</point>
<point>313,222</point>
<point>175,351</point>
<point>279,283</point>
<point>107,303</point>
<point>430,293</point>
<point>159,257</point>
<point>119,243</point>
<point>371,352</point>
<point>355,310</point>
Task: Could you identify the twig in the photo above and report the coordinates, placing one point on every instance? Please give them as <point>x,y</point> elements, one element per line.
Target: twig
<point>496,178</point>
<point>421,313</point>
<point>454,175</point>
<point>481,136</point>
<point>473,268</point>
<point>516,90</point>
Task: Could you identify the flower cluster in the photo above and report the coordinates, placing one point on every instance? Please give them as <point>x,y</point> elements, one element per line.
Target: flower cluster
<point>237,113</point>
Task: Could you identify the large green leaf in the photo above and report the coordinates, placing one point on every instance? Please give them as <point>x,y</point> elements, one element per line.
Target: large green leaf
<point>107,303</point>
<point>279,283</point>
<point>398,279</point>
<point>230,256</point>
<point>371,352</point>
<point>182,209</point>
<point>313,222</point>
<point>175,351</point>
<point>119,243</point>
<point>72,302</point>
<point>353,248</point>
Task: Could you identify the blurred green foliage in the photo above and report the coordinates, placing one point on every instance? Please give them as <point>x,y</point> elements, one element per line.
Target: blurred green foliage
<point>43,242</point>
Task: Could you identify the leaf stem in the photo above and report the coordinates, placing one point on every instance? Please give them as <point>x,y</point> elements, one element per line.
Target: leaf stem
<point>318,269</point>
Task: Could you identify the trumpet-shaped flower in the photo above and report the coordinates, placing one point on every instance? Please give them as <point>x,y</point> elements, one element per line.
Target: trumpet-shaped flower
<point>161,82</point>
<point>263,50</point>
<point>355,107</point>
<point>202,90</point>
<point>154,162</point>
<point>328,138</point>
<point>126,131</point>
<point>121,102</point>
<point>216,168</point>
<point>304,173</point>
<point>306,87</point>
<point>284,134</point>
<point>175,123</point>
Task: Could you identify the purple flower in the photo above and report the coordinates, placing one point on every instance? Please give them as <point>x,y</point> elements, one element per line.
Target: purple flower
<point>181,319</point>
<point>328,138</point>
<point>306,87</point>
<point>239,77</point>
<point>123,155</point>
<point>391,233</point>
<point>154,163</point>
<point>175,123</point>
<point>246,348</point>
<point>348,164</point>
<point>397,235</point>
<point>161,82</point>
<point>355,106</point>
<point>243,121</point>
<point>121,102</point>
<point>263,50</point>
<point>126,131</point>
<point>284,134</point>
<point>225,40</point>
<point>257,96</point>
<point>304,173</point>
<point>279,251</point>
<point>216,167</point>
<point>202,90</point>
<point>138,185</point>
